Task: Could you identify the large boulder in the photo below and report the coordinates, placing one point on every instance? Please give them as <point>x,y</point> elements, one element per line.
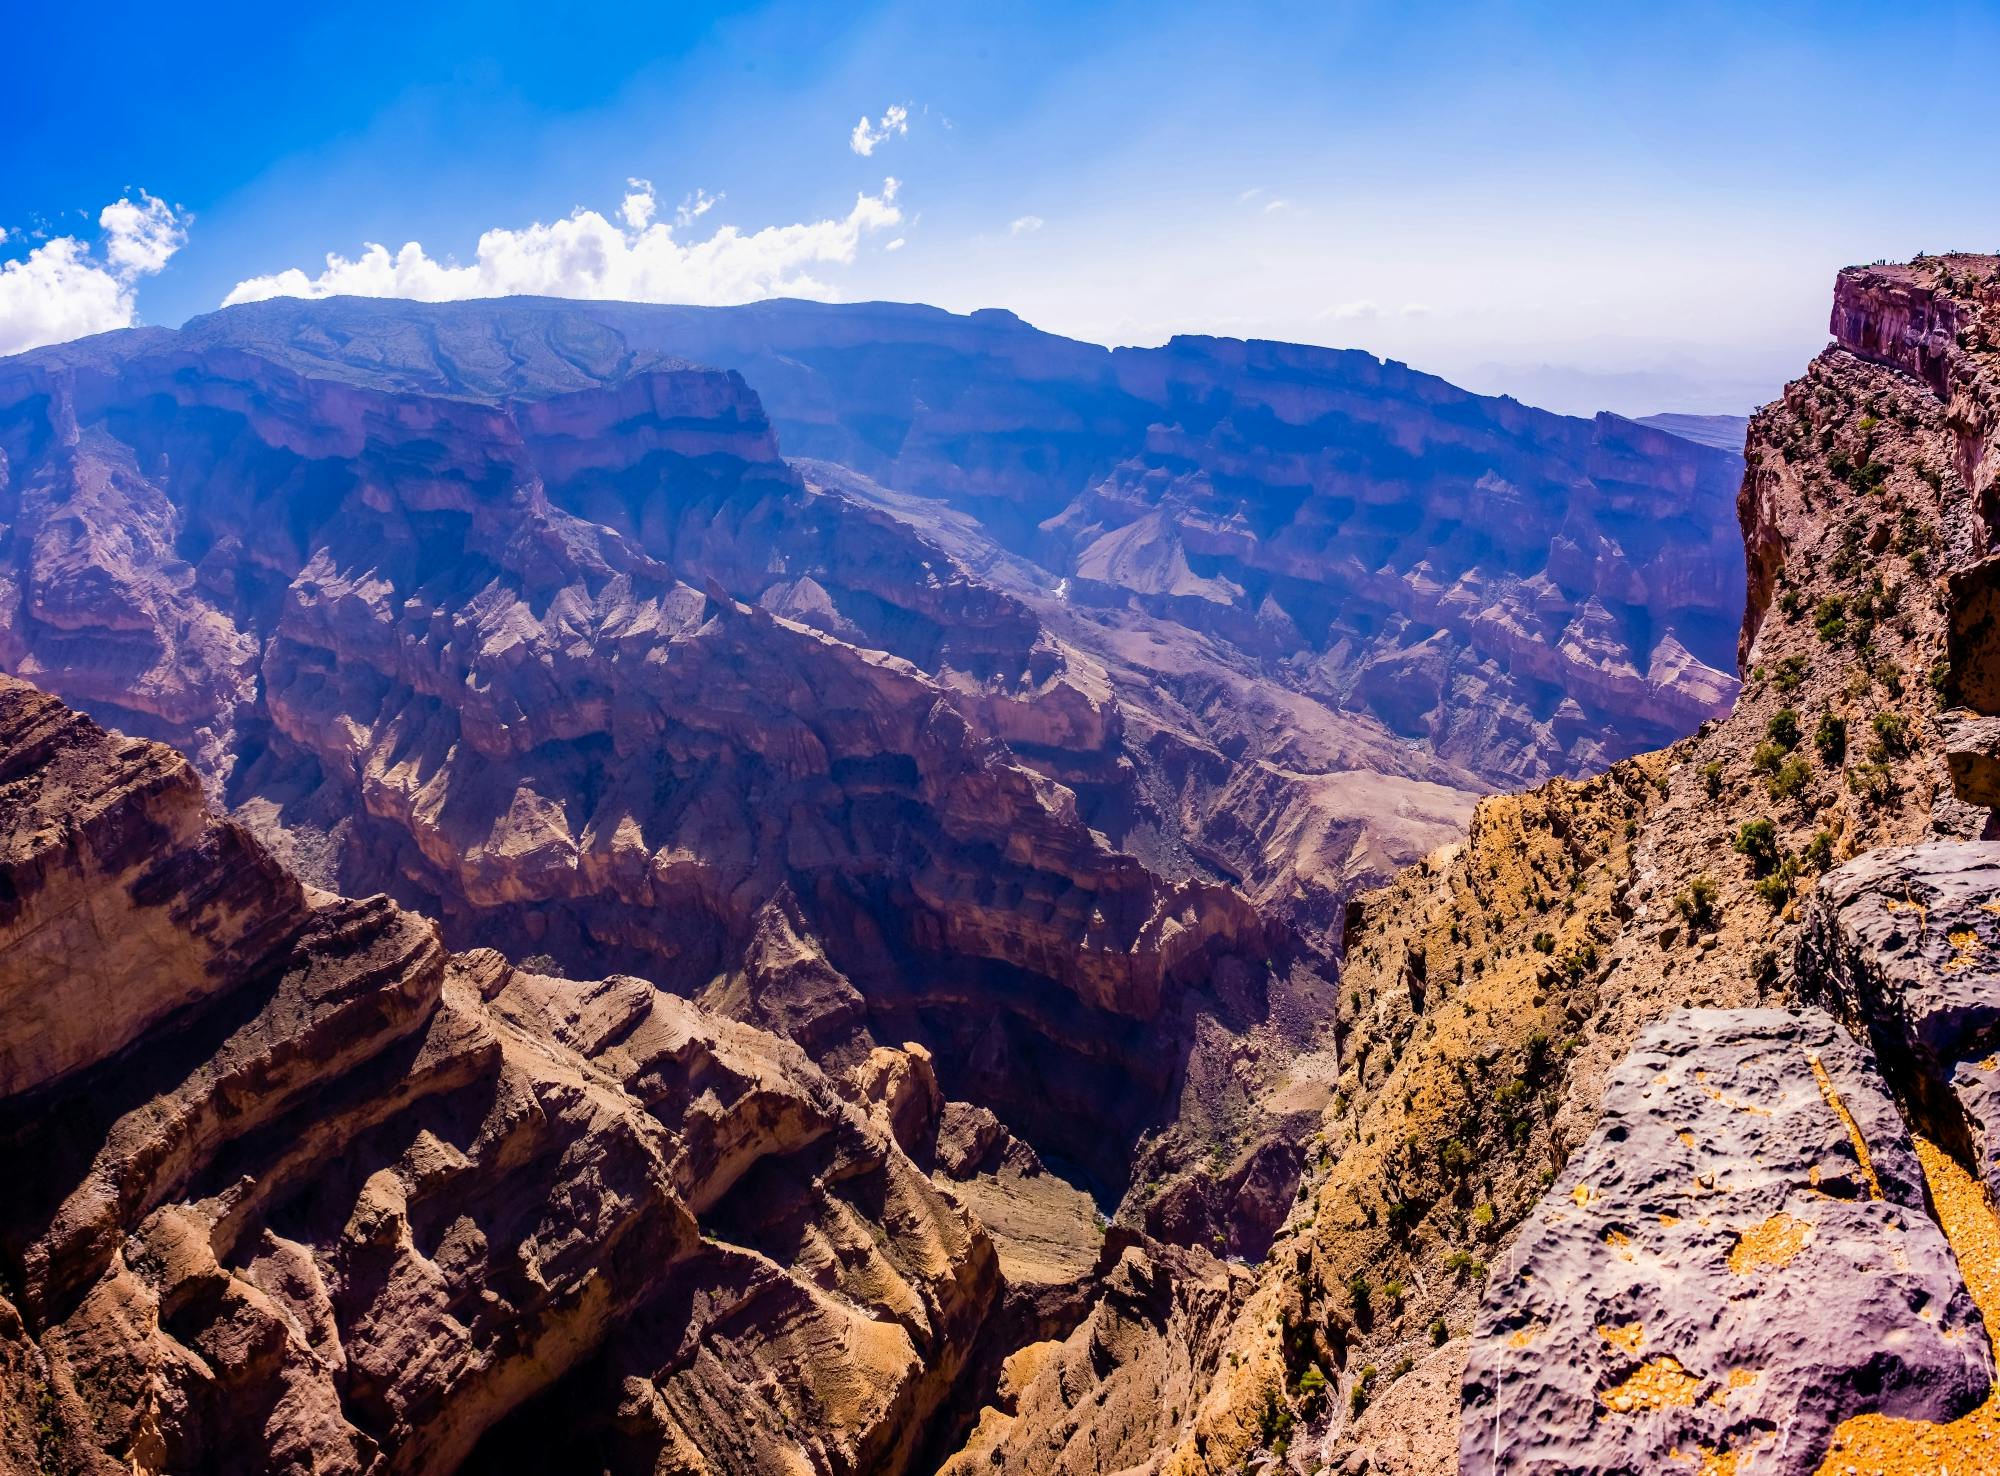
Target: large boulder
<point>1902,941</point>
<point>1736,1261</point>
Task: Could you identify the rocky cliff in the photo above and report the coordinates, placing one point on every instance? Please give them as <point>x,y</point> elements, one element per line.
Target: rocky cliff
<point>1604,1186</point>
<point>293,1188</point>
<point>1523,593</point>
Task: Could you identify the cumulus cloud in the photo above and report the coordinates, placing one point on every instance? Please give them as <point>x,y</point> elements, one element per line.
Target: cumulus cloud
<point>636,258</point>
<point>637,208</point>
<point>63,289</point>
<point>1360,310</point>
<point>1027,225</point>
<point>895,120</point>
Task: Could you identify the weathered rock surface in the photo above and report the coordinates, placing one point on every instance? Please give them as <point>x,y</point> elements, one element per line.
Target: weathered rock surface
<point>1972,754</point>
<point>1904,942</point>
<point>354,1201</point>
<point>1736,1261</point>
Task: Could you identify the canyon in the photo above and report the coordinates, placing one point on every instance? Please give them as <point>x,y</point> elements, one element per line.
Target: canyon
<point>925,901</point>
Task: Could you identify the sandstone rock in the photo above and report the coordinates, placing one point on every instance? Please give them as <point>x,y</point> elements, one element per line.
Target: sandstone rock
<point>1672,1290</point>
<point>1972,754</point>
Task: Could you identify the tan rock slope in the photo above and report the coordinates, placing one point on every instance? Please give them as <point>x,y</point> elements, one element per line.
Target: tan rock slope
<point>294,1189</point>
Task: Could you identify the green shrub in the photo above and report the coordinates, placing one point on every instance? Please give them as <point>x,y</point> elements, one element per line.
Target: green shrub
<point>1757,840</point>
<point>1830,618</point>
<point>1711,779</point>
<point>1312,1389</point>
<point>1830,738</point>
<point>1543,943</point>
<point>1819,852</point>
<point>1696,903</point>
<point>1362,1298</point>
<point>1783,728</point>
<point>1777,888</point>
<point>1892,735</point>
<point>1766,757</point>
<point>1872,782</point>
<point>1790,780</point>
<point>1440,1334</point>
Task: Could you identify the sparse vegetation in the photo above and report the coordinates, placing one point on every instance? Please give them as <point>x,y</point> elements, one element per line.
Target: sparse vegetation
<point>1696,903</point>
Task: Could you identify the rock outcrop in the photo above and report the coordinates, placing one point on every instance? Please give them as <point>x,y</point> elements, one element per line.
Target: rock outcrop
<point>314,1194</point>
<point>1737,1261</point>
<point>1490,994</point>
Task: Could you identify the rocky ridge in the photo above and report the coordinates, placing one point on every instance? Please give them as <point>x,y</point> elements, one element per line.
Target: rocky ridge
<point>361,1199</point>
<point>1501,1003</point>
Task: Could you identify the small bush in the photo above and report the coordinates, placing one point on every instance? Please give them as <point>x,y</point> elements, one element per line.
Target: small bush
<point>1696,903</point>
<point>1790,675</point>
<point>1872,782</point>
<point>1818,855</point>
<point>1830,618</point>
<point>1783,728</point>
<point>1362,1298</point>
<point>1440,1334</point>
<point>1711,779</point>
<point>1766,757</point>
<point>1776,888</point>
<point>1543,943</point>
<point>1312,1389</point>
<point>1892,735</point>
<point>1791,779</point>
<point>1757,840</point>
<point>1830,738</point>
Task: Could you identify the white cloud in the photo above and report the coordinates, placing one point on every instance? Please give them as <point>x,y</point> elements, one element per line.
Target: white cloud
<point>1027,225</point>
<point>1360,310</point>
<point>60,290</point>
<point>1275,205</point>
<point>638,207</point>
<point>694,207</point>
<point>895,245</point>
<point>895,121</point>
<point>586,255</point>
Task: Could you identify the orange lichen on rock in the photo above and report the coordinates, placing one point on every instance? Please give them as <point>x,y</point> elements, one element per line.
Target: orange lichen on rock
<point>1853,1128</point>
<point>1771,1243</point>
<point>1876,1445</point>
<point>1628,1337</point>
<point>1659,1382</point>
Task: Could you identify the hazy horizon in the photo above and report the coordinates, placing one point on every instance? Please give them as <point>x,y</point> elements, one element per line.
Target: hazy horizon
<point>1584,210</point>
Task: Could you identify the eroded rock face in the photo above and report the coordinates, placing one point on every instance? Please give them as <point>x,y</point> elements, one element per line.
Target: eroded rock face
<point>589,674</point>
<point>356,1200</point>
<point>1903,942</point>
<point>1526,593</point>
<point>1671,1292</point>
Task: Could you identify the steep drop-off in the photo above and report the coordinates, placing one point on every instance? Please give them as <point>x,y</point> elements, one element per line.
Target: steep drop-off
<point>291,1188</point>
<point>1599,1170</point>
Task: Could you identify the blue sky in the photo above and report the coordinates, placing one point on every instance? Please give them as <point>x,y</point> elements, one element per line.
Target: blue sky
<point>1639,207</point>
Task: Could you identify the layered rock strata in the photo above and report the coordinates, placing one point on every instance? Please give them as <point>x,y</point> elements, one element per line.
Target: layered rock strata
<point>315,1194</point>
